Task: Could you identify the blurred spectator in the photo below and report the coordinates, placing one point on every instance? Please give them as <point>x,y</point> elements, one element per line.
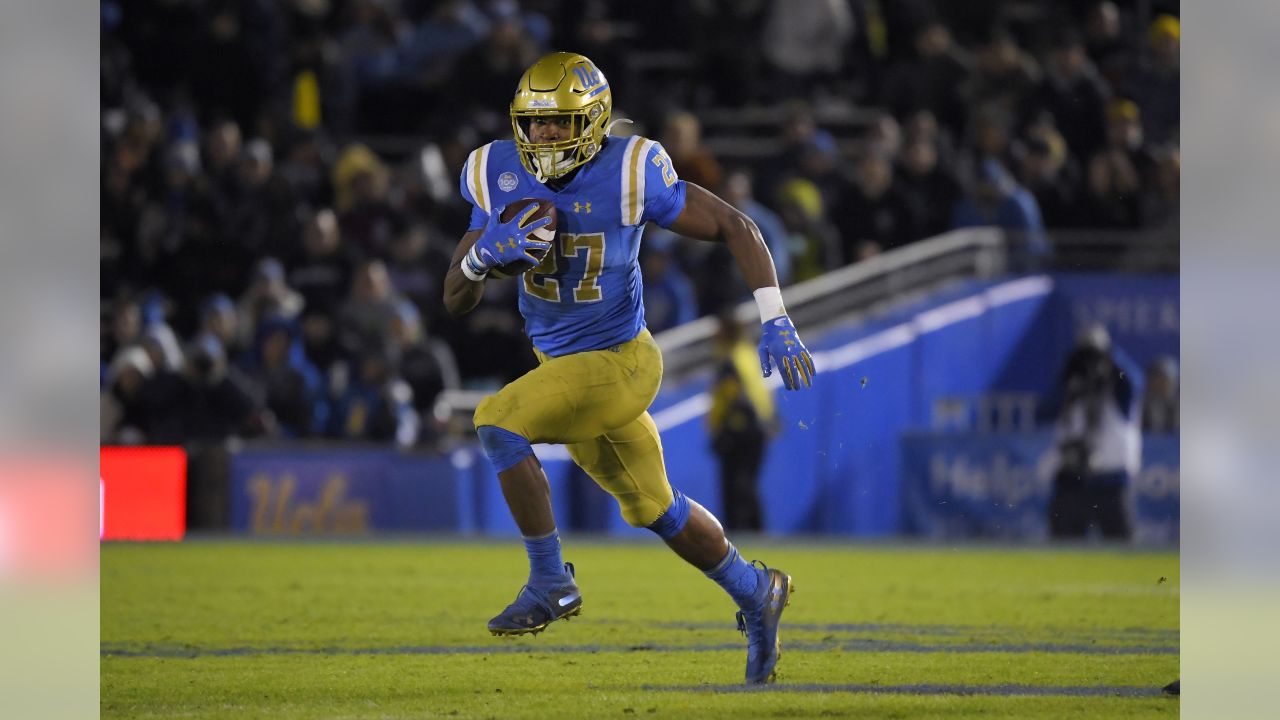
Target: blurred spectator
<point>292,388</point>
<point>495,350</point>
<point>1105,41</point>
<point>1163,197</point>
<point>723,28</point>
<point>305,169</point>
<point>377,403</point>
<point>1004,77</point>
<point>1160,402</point>
<point>804,42</point>
<point>933,80</point>
<point>876,214</point>
<point>884,136</point>
<point>126,327</point>
<point>267,294</point>
<point>990,138</point>
<point>161,346</point>
<point>260,205</point>
<point>1117,172</point>
<point>418,263</point>
<point>222,153</point>
<point>364,318</point>
<point>995,198</point>
<point>1098,439</point>
<point>1155,83</point>
<point>682,138</point>
<point>361,182</point>
<point>219,403</point>
<point>234,61</point>
<point>178,232</point>
<point>321,272</point>
<point>740,422</point>
<point>922,125</point>
<point>1043,169</point>
<point>495,65</point>
<point>738,193</point>
<point>929,189</point>
<point>426,363</point>
<point>814,242</point>
<point>669,299</point>
<point>1073,93</point>
<point>218,317</point>
<point>320,343</point>
<point>122,408</point>
<point>810,152</point>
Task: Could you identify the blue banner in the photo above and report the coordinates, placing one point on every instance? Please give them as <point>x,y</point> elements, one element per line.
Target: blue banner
<point>967,485</point>
<point>350,492</point>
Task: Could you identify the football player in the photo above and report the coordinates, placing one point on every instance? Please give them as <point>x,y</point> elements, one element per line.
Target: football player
<point>599,367</point>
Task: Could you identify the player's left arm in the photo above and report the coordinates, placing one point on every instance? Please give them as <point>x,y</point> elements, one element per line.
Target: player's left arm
<point>707,217</point>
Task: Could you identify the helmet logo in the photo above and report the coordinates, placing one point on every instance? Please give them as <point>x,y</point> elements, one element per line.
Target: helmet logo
<point>594,112</point>
<point>588,76</point>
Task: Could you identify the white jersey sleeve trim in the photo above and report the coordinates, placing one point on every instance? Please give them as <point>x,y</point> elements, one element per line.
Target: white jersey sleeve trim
<point>634,158</point>
<point>477,171</point>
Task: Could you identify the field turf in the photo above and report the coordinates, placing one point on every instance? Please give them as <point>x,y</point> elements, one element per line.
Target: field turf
<point>221,629</point>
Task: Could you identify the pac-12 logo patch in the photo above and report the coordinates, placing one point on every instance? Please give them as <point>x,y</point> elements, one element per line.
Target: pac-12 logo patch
<point>507,182</point>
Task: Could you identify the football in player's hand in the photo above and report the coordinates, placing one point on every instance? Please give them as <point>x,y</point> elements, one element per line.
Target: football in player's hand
<point>546,208</point>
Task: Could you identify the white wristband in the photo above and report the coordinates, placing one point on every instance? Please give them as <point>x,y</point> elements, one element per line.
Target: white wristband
<point>466,268</point>
<point>769,300</point>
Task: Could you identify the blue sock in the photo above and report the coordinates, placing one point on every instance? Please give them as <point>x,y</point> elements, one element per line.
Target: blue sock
<point>546,567</point>
<point>738,577</point>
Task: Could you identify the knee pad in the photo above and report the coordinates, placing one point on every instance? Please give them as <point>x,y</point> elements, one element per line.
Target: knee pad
<point>671,522</point>
<point>503,447</point>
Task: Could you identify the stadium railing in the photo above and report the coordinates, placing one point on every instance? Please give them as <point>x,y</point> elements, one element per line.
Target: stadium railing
<point>814,305</point>
<point>833,298</point>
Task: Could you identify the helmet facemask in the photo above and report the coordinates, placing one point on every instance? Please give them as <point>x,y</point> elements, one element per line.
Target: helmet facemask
<point>555,159</point>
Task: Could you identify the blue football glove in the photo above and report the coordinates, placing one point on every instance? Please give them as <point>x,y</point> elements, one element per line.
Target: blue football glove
<point>779,341</point>
<point>504,242</point>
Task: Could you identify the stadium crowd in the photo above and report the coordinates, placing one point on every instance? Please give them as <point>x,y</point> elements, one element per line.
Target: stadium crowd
<point>279,179</point>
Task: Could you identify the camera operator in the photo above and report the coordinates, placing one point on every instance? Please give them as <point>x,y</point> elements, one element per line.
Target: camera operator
<point>1098,439</point>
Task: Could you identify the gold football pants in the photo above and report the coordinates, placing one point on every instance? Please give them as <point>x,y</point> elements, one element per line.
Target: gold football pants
<point>596,404</point>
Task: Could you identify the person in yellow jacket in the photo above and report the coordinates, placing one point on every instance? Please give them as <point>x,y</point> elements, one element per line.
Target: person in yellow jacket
<point>741,421</point>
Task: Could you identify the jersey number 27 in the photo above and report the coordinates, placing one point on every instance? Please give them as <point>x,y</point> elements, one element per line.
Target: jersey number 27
<point>539,283</point>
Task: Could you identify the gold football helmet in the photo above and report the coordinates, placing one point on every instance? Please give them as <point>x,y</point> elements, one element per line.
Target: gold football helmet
<point>565,84</point>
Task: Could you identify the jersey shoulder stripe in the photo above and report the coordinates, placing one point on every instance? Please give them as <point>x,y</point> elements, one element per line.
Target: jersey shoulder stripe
<point>634,157</point>
<point>476,173</point>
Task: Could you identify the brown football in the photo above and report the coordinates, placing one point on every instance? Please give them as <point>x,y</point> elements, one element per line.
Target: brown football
<point>546,208</point>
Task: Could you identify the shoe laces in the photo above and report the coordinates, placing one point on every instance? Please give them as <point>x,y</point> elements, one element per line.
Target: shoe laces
<point>743,616</point>
<point>538,595</point>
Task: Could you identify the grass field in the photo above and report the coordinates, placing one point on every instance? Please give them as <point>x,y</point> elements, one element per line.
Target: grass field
<point>397,630</point>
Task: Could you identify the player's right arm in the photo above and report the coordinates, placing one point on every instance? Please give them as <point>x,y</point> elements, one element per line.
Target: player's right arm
<point>483,249</point>
<point>489,242</point>
<point>462,294</point>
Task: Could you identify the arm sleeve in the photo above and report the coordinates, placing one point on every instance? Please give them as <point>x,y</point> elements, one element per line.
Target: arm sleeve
<point>664,191</point>
<point>650,188</point>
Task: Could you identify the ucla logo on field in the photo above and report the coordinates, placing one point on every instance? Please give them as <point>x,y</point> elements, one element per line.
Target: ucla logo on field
<point>507,182</point>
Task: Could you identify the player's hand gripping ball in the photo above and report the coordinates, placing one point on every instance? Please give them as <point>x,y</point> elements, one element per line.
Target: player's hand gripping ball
<point>538,241</point>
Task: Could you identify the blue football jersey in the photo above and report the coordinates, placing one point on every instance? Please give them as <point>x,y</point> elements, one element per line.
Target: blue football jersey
<point>586,294</point>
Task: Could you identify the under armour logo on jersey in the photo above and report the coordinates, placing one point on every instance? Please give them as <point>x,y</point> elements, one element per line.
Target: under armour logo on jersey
<point>579,207</point>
